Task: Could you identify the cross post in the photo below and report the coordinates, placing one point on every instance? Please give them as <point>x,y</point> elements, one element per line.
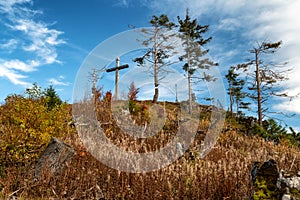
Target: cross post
<point>116,69</point>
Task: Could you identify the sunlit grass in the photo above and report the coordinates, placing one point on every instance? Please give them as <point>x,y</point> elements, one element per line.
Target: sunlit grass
<point>222,174</point>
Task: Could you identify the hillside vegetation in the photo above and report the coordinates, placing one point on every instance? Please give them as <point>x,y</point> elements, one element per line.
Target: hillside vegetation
<point>27,125</point>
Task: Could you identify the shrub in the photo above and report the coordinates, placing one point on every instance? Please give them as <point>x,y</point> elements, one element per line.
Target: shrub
<point>133,91</point>
<point>27,126</point>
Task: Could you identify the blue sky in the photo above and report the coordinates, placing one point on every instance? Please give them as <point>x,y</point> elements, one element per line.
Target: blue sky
<point>47,41</point>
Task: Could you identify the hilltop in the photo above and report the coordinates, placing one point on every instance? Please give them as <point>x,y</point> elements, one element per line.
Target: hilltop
<point>27,125</point>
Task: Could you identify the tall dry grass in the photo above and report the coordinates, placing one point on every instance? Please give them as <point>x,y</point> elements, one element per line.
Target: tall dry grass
<point>222,174</point>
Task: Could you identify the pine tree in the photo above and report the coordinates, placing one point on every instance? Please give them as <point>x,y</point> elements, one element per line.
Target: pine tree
<point>265,77</point>
<point>160,48</point>
<point>52,99</point>
<point>193,41</point>
<point>235,91</point>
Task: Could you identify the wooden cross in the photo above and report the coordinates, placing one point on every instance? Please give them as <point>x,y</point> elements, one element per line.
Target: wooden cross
<point>117,68</point>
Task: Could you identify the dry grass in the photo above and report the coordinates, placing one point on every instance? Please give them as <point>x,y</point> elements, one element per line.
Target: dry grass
<point>222,174</point>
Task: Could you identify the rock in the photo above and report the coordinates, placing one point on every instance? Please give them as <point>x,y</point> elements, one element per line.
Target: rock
<point>179,148</point>
<point>264,180</point>
<point>268,183</point>
<point>286,197</point>
<point>54,158</point>
<point>291,183</point>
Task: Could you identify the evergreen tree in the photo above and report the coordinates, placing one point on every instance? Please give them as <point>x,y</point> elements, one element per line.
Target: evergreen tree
<point>160,48</point>
<point>273,131</point>
<point>52,99</point>
<point>265,77</point>
<point>294,136</point>
<point>192,35</point>
<point>235,90</point>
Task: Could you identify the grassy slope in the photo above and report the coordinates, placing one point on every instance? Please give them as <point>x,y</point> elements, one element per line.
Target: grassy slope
<point>222,174</point>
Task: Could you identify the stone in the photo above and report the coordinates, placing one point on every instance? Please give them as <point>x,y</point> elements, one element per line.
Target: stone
<point>286,197</point>
<point>54,158</point>
<point>264,177</point>
<point>291,183</point>
<point>268,183</point>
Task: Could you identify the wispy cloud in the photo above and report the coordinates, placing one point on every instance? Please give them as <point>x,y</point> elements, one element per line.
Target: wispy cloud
<point>37,40</point>
<point>228,24</point>
<point>14,70</point>
<point>128,3</point>
<point>58,81</point>
<point>13,76</point>
<point>122,3</point>
<point>18,65</point>
<point>9,45</point>
<point>246,22</point>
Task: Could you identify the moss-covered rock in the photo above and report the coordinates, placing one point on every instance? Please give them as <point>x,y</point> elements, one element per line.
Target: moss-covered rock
<point>264,180</point>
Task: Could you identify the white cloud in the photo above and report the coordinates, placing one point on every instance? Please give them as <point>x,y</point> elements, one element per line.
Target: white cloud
<point>256,21</point>
<point>11,69</point>
<point>229,24</point>
<point>122,3</point>
<point>58,81</point>
<point>18,65</point>
<point>42,39</point>
<point>282,24</point>
<point>9,45</point>
<point>61,77</point>
<point>7,6</point>
<point>13,76</point>
<point>288,106</point>
<point>127,3</point>
<point>37,40</point>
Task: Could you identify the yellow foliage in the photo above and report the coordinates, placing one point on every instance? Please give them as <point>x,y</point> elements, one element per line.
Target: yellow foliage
<point>27,126</point>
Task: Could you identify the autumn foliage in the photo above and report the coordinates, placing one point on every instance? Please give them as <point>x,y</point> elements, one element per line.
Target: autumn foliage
<point>27,124</point>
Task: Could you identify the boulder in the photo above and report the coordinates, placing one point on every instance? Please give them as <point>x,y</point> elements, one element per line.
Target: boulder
<point>268,183</point>
<point>54,158</point>
<point>264,177</point>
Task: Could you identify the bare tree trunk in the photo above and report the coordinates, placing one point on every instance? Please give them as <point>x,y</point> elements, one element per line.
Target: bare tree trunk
<point>231,101</point>
<point>257,76</point>
<point>155,97</point>
<point>189,76</point>
<point>237,108</point>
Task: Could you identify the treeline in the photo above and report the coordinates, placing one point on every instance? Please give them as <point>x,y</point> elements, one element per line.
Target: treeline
<point>252,84</point>
<point>271,130</point>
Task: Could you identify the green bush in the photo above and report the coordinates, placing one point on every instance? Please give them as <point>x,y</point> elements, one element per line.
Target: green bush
<point>271,131</point>
<point>133,107</point>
